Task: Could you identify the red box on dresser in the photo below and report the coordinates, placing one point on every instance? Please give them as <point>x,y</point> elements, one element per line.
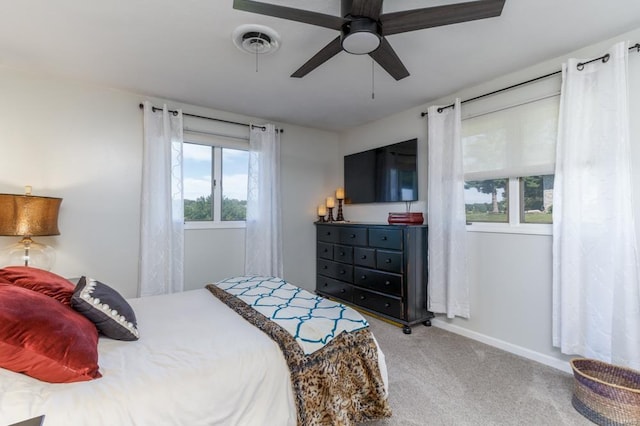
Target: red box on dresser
<point>406,218</point>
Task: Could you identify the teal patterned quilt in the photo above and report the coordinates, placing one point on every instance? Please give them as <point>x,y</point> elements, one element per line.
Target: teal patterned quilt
<point>313,321</point>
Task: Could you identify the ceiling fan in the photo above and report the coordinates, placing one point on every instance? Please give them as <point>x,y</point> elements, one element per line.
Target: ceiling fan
<point>363,27</point>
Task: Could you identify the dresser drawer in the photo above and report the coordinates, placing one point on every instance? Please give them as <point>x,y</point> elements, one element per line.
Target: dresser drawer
<point>335,270</point>
<point>335,288</point>
<point>389,261</point>
<point>353,236</point>
<point>343,254</point>
<point>383,282</point>
<point>328,234</point>
<point>385,238</point>
<point>325,251</point>
<point>387,305</point>
<point>364,256</point>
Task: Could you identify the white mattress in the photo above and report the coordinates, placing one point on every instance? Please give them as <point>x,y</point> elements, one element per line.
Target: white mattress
<point>197,363</point>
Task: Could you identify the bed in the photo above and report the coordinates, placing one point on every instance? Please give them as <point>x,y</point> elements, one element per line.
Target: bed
<point>197,362</point>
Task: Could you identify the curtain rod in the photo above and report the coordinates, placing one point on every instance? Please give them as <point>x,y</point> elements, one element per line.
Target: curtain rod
<point>174,112</point>
<point>603,58</point>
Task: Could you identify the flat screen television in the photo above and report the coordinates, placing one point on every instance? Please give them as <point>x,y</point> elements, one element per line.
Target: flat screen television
<point>382,175</point>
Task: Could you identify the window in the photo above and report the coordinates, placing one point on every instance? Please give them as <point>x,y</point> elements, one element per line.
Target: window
<point>536,193</point>
<point>214,183</point>
<point>486,200</point>
<point>509,160</point>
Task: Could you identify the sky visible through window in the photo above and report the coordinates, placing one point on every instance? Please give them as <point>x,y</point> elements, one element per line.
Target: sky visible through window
<point>472,196</point>
<point>197,169</point>
<point>235,164</point>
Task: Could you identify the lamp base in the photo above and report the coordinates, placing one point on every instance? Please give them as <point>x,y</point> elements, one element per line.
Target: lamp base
<point>28,253</point>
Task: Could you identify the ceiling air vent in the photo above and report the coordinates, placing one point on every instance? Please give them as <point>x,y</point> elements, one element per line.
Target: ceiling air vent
<point>256,39</point>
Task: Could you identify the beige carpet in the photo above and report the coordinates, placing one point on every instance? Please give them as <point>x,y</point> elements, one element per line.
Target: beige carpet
<point>440,378</point>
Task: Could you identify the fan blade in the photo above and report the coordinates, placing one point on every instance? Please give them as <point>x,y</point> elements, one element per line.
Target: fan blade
<point>326,53</point>
<point>418,19</point>
<point>389,60</point>
<point>369,8</point>
<point>299,15</point>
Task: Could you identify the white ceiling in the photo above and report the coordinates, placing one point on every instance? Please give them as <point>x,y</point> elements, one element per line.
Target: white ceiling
<point>183,50</point>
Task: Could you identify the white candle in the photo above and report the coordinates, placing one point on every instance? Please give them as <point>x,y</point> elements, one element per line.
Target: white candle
<point>340,193</point>
<point>27,190</point>
<point>322,210</point>
<point>331,203</point>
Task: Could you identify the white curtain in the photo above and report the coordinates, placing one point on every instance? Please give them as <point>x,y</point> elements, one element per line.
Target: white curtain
<point>162,211</point>
<point>448,284</point>
<point>596,292</point>
<point>264,234</point>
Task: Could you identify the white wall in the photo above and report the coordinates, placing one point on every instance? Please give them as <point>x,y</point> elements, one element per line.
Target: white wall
<point>83,143</point>
<point>510,274</point>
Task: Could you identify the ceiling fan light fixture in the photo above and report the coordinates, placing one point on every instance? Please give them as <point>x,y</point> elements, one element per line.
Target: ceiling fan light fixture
<point>360,36</point>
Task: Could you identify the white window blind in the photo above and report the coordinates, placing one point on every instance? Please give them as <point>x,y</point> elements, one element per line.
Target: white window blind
<point>512,142</point>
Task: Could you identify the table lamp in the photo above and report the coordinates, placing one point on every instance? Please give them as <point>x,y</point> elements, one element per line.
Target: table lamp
<point>28,216</point>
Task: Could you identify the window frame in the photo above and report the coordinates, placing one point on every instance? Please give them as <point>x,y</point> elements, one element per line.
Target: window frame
<point>216,142</point>
<point>514,225</point>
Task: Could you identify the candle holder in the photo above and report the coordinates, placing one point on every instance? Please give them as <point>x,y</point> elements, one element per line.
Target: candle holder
<point>340,217</point>
<point>330,218</point>
<point>321,219</point>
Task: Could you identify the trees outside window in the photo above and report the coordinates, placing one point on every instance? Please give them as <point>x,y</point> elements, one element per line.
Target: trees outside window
<point>214,183</point>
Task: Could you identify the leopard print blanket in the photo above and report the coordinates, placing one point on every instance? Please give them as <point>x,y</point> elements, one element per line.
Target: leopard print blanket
<point>338,385</point>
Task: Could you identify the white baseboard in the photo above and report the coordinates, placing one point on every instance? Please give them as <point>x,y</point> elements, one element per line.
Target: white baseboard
<point>505,346</point>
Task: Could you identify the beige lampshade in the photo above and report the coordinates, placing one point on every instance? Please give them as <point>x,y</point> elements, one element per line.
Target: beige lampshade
<point>28,215</point>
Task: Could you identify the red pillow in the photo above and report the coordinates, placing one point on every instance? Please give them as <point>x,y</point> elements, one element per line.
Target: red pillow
<point>39,280</point>
<point>44,339</point>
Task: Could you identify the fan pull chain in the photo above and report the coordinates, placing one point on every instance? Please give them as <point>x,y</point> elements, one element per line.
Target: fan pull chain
<point>373,95</point>
<point>256,50</point>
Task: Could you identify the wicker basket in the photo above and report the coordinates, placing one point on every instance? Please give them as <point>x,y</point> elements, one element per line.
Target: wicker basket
<point>606,394</point>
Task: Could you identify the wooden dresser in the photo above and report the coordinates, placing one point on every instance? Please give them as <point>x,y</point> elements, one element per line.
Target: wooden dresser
<point>379,268</point>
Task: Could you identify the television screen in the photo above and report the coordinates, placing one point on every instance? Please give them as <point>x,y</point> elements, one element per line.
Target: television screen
<point>382,175</point>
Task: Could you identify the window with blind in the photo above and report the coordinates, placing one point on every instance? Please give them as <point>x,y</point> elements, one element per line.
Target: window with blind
<point>509,160</point>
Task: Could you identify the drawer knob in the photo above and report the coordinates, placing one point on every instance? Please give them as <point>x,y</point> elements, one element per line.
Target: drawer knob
<point>328,233</point>
<point>325,267</point>
<point>343,290</point>
<point>326,284</point>
<point>363,277</point>
<point>326,250</point>
<point>387,305</point>
<point>352,236</point>
<point>362,297</point>
<point>388,261</point>
<point>342,272</point>
<point>387,283</point>
<point>384,238</point>
<point>364,256</point>
<point>341,253</point>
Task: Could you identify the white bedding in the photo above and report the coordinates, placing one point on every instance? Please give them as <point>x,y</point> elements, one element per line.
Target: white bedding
<point>197,363</point>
